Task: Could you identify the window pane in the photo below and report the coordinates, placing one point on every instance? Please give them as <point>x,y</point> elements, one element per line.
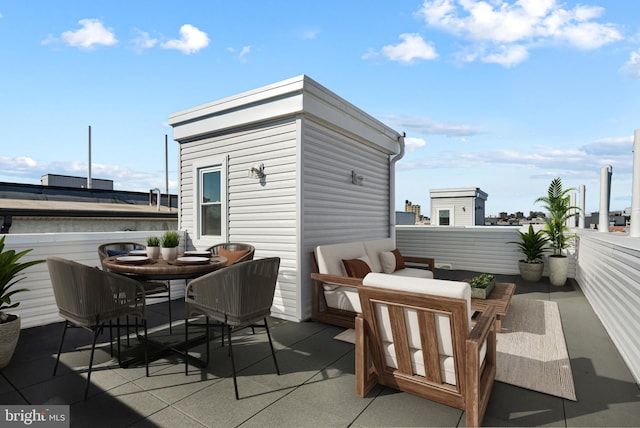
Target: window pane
<point>443,217</point>
<point>211,220</point>
<point>211,187</point>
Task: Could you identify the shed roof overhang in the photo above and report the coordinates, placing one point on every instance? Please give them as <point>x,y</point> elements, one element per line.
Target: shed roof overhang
<point>300,95</point>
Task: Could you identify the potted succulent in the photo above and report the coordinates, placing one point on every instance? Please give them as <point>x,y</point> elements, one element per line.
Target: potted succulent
<point>153,247</point>
<point>560,210</point>
<point>10,269</point>
<point>532,245</point>
<point>169,245</point>
<point>482,285</point>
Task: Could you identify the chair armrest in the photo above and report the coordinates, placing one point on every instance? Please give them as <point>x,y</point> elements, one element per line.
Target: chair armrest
<point>483,326</point>
<point>421,260</point>
<point>336,279</point>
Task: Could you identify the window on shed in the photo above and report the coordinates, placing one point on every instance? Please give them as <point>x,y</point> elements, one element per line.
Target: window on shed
<point>210,202</point>
<point>444,217</point>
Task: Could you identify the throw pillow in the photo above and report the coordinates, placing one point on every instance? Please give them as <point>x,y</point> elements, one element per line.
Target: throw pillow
<point>232,256</point>
<point>391,261</point>
<point>356,268</point>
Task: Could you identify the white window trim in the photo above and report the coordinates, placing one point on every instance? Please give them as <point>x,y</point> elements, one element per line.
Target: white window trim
<point>451,215</point>
<point>211,162</point>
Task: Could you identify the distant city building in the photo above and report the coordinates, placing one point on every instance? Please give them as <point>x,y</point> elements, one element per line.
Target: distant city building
<point>76,182</point>
<point>405,218</point>
<point>415,209</point>
<point>458,207</point>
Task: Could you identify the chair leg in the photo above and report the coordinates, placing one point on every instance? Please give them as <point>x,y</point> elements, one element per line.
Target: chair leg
<point>64,332</point>
<point>233,363</point>
<point>146,353</point>
<point>93,348</point>
<point>169,300</point>
<point>186,345</point>
<point>207,338</point>
<point>266,326</point>
<point>127,330</point>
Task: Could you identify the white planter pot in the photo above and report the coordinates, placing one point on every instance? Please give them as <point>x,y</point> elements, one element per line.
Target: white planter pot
<point>558,268</point>
<point>153,252</point>
<point>169,253</point>
<point>9,334</point>
<point>531,272</point>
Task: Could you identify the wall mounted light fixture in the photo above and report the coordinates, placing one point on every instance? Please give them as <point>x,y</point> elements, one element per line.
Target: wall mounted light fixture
<point>257,171</point>
<point>356,178</point>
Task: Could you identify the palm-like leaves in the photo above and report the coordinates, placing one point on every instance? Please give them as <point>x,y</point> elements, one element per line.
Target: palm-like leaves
<point>560,210</point>
<point>532,244</point>
<point>9,275</point>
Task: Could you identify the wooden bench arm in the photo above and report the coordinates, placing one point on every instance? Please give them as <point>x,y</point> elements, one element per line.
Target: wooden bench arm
<point>422,261</point>
<point>336,279</point>
<point>484,323</point>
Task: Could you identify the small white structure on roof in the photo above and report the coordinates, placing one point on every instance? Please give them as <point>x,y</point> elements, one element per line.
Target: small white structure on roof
<point>457,207</point>
<point>285,167</point>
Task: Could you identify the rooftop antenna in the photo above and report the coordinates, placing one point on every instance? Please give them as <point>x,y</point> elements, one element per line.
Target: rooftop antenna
<point>89,167</point>
<point>166,171</point>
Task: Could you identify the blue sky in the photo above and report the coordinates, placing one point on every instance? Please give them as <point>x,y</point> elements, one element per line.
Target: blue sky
<point>501,95</point>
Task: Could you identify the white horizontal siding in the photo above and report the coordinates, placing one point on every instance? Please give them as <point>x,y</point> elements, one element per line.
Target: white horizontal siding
<point>609,275</point>
<point>260,213</point>
<point>474,248</point>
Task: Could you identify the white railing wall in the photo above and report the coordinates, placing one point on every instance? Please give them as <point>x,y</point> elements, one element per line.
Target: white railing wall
<point>473,248</point>
<point>608,273</point>
<point>38,306</point>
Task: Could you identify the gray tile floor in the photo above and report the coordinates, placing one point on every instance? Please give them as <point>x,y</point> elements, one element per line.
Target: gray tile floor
<point>316,385</point>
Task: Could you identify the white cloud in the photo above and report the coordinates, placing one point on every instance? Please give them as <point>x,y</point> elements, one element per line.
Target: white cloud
<point>244,52</point>
<point>507,56</point>
<point>308,33</point>
<point>144,41</point>
<point>191,40</point>
<point>513,25</point>
<point>632,67</point>
<point>413,143</point>
<point>412,47</point>
<point>92,33</point>
<point>428,126</point>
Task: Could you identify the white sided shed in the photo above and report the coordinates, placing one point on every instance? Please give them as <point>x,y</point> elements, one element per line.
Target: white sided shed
<point>462,206</point>
<point>285,167</point>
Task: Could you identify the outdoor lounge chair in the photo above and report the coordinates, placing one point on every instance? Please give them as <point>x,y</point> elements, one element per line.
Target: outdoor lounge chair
<point>415,335</point>
<point>152,289</point>
<point>237,296</point>
<point>90,298</point>
<point>234,252</point>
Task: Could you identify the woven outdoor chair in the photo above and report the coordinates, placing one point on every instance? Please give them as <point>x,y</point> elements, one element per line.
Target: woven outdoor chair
<point>237,296</point>
<point>152,289</point>
<point>90,298</point>
<point>235,252</point>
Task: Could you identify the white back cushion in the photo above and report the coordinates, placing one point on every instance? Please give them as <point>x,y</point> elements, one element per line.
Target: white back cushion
<point>330,257</point>
<point>374,248</point>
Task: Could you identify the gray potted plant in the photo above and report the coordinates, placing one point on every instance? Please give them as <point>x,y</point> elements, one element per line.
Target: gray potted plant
<point>482,285</point>
<point>532,245</point>
<point>10,269</point>
<point>169,245</point>
<point>559,211</point>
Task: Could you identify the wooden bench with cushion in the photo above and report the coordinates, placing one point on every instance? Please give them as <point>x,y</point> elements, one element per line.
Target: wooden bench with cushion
<point>338,270</point>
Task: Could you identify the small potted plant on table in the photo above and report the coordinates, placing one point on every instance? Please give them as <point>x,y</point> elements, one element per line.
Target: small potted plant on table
<point>481,286</point>
<point>153,247</point>
<point>533,246</point>
<point>10,268</point>
<point>169,245</point>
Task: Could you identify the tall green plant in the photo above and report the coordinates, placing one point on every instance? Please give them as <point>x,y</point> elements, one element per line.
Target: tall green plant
<point>10,270</point>
<point>557,203</point>
<point>532,245</point>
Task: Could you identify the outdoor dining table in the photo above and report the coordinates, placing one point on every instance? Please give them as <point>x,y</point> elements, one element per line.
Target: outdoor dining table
<point>160,269</point>
<point>145,269</point>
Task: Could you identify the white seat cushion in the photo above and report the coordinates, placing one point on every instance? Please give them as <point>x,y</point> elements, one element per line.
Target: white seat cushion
<point>340,297</point>
<point>413,273</point>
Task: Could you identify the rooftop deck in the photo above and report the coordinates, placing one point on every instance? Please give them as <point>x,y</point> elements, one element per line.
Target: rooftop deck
<point>317,382</point>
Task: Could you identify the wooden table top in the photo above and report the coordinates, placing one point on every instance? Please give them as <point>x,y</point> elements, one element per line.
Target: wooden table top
<point>163,269</point>
<point>500,298</point>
